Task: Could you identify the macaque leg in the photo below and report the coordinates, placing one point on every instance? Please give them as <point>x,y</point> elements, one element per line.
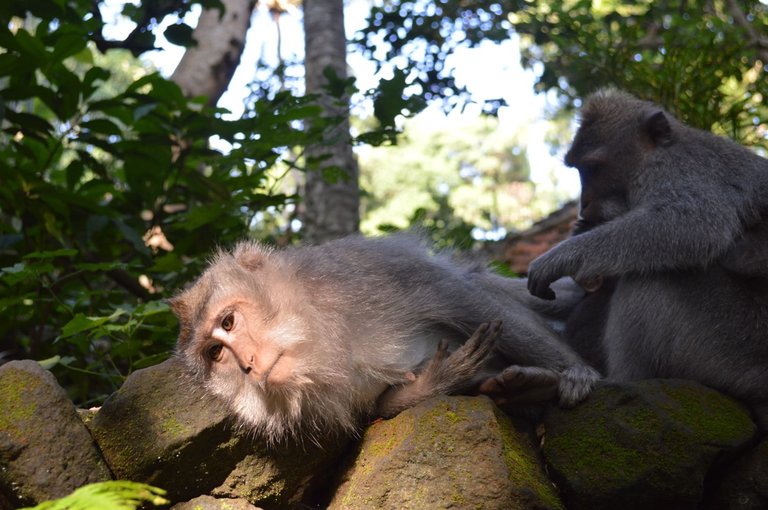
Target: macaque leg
<point>444,374</point>
<point>518,385</point>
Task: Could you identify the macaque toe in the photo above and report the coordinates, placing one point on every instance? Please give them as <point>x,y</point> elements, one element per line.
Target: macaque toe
<point>478,347</point>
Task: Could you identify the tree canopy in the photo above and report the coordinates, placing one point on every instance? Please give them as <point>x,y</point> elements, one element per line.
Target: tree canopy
<point>704,61</point>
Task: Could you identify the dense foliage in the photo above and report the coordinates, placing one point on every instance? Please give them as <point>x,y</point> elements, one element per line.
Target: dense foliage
<point>111,199</point>
<point>702,60</point>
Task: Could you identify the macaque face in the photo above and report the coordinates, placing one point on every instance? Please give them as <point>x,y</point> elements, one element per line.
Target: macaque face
<point>603,172</point>
<point>241,340</point>
<point>244,334</point>
<point>252,357</point>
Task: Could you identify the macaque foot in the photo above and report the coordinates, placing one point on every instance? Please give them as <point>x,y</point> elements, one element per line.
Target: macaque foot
<point>576,383</point>
<point>518,385</point>
<point>444,374</point>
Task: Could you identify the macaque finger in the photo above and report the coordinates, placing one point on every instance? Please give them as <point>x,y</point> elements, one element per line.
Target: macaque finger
<point>541,289</point>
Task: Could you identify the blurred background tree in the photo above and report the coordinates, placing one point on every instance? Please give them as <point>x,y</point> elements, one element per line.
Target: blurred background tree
<point>119,180</point>
<point>703,60</point>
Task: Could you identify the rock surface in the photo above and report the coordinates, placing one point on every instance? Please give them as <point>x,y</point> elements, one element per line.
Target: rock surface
<point>211,503</point>
<point>159,429</point>
<point>745,484</point>
<point>45,450</point>
<point>650,444</point>
<point>658,444</point>
<point>449,452</point>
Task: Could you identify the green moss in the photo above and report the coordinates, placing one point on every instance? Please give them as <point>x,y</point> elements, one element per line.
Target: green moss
<point>385,436</point>
<point>174,428</point>
<point>595,456</point>
<point>711,415</point>
<point>16,407</point>
<point>523,463</point>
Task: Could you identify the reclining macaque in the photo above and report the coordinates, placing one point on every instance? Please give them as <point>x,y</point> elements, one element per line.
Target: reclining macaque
<point>304,341</point>
<point>669,216</point>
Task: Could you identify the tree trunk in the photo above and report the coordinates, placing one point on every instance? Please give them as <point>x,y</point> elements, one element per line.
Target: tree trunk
<point>206,69</point>
<point>330,210</point>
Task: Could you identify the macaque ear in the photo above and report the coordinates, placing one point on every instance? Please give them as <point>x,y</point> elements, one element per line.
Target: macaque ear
<point>251,256</point>
<point>180,308</point>
<point>658,129</point>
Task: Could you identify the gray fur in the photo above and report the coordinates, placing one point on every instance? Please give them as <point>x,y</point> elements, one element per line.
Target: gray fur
<point>689,194</point>
<point>684,245</point>
<point>365,316</point>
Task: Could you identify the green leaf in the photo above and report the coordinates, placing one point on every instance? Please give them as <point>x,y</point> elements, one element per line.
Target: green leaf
<point>74,172</point>
<point>100,266</point>
<point>200,216</point>
<point>68,45</point>
<point>81,323</point>
<point>50,362</point>
<point>180,34</point>
<point>42,255</point>
<point>103,126</point>
<point>30,45</point>
<point>29,123</point>
<point>111,495</point>
<point>152,308</point>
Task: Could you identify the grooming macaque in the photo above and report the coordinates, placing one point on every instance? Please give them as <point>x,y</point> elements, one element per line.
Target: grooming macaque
<point>308,340</point>
<point>673,217</point>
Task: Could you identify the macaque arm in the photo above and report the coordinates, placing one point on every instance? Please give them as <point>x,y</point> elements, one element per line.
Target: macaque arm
<point>671,232</point>
<point>444,374</point>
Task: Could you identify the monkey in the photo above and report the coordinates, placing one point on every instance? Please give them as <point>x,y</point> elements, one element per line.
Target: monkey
<point>674,210</point>
<point>310,339</point>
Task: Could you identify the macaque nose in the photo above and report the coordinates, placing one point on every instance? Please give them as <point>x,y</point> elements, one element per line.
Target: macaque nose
<point>256,360</point>
<point>244,358</point>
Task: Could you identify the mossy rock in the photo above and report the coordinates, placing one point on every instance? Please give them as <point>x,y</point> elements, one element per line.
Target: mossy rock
<point>448,452</point>
<point>649,444</point>
<point>45,450</point>
<point>160,428</point>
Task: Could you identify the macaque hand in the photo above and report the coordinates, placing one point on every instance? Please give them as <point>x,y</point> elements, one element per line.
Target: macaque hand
<point>549,267</point>
<point>444,374</point>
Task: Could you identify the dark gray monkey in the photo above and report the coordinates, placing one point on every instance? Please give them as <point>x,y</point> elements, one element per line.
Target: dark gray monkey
<point>308,340</point>
<point>690,198</point>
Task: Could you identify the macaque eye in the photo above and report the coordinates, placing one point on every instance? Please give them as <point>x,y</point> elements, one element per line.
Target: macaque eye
<point>214,352</point>
<point>228,322</point>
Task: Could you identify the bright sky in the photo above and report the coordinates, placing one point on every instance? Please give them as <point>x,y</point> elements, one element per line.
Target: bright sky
<point>490,71</point>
